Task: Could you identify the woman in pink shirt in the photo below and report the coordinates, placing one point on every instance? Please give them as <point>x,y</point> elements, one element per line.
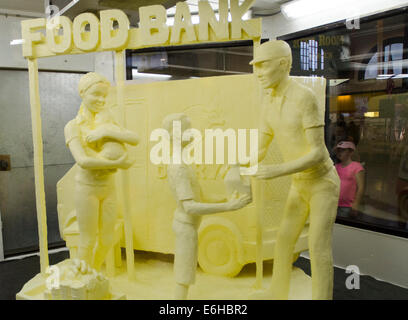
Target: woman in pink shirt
<point>351,174</point>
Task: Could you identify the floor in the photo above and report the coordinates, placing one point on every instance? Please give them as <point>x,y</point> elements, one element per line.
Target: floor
<point>14,274</point>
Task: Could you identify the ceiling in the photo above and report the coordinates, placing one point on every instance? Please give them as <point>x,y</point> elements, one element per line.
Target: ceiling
<point>261,7</point>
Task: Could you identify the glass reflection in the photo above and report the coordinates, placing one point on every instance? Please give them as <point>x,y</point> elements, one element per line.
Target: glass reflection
<point>367,106</point>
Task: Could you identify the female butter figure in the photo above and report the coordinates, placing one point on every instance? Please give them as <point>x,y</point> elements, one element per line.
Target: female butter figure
<point>97,144</point>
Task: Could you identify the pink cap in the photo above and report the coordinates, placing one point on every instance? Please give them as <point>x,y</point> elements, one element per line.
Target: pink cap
<point>346,145</point>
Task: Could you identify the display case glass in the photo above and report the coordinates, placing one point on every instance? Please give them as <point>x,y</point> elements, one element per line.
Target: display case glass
<point>367,104</point>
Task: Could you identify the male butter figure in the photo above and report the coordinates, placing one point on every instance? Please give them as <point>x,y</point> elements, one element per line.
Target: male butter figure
<point>187,217</point>
<point>292,117</point>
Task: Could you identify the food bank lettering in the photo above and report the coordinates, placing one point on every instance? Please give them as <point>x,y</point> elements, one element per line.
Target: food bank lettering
<point>88,33</point>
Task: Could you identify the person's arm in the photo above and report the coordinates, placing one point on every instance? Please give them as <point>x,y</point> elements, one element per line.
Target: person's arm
<point>265,140</point>
<point>213,198</point>
<point>86,162</point>
<point>180,178</point>
<point>123,135</point>
<point>312,124</point>
<point>264,143</point>
<point>200,208</point>
<point>73,142</point>
<point>360,191</point>
<point>317,154</point>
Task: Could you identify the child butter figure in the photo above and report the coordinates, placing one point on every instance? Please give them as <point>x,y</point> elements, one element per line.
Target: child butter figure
<point>97,144</point>
<point>190,209</point>
<point>292,117</point>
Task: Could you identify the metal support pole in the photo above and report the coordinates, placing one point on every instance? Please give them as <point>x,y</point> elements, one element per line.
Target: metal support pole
<point>38,163</point>
<point>1,240</point>
<point>124,195</point>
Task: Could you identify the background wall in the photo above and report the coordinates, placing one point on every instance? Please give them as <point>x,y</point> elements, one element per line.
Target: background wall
<point>60,102</point>
<point>1,240</point>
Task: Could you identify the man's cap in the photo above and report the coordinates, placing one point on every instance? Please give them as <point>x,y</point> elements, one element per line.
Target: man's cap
<point>271,50</point>
<point>346,145</point>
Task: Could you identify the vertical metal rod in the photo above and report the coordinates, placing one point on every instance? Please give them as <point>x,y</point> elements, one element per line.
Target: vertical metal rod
<point>124,195</point>
<point>259,200</point>
<point>38,162</point>
<point>1,240</point>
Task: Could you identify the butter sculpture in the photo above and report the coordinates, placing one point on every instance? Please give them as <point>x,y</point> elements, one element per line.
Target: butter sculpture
<point>100,146</point>
<point>227,241</point>
<point>190,209</point>
<point>97,144</point>
<point>291,116</point>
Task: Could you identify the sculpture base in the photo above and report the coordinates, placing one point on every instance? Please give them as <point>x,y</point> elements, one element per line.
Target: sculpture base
<point>77,289</point>
<point>154,281</point>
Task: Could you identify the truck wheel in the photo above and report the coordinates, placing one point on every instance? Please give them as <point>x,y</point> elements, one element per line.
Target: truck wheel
<point>218,251</point>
